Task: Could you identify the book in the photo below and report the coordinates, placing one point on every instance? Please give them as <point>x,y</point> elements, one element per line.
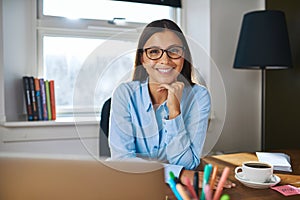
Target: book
<point>280,161</point>
<point>27,98</point>
<point>43,98</point>
<point>33,98</point>
<point>47,89</point>
<point>52,99</point>
<point>38,98</point>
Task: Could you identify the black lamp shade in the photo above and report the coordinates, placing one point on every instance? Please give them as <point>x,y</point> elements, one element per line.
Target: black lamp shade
<point>263,42</point>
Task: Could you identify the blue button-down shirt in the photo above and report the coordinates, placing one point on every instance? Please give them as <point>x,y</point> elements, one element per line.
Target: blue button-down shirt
<point>137,130</point>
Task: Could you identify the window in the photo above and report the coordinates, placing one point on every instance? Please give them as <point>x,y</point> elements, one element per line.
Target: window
<point>88,47</point>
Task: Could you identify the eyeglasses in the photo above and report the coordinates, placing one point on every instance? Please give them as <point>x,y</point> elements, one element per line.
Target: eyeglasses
<point>155,53</point>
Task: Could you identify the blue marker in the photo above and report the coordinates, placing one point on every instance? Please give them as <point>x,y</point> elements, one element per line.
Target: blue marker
<point>196,182</point>
<point>206,175</point>
<point>172,185</point>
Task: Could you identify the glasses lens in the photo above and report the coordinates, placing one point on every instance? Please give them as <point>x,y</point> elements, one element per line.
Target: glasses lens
<point>154,53</point>
<point>175,52</point>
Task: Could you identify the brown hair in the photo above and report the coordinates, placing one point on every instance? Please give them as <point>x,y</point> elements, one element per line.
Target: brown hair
<point>140,74</point>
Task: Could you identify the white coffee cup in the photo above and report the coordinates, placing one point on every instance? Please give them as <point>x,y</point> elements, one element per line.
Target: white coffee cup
<point>255,171</point>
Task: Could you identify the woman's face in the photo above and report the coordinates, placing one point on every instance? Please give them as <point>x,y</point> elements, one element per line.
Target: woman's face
<point>164,69</point>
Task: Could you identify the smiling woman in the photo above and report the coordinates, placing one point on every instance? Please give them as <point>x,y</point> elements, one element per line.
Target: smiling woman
<point>160,115</point>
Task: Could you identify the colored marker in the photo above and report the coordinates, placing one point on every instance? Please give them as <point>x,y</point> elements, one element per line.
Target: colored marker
<point>206,175</point>
<point>182,192</point>
<point>196,183</point>
<point>172,185</point>
<point>225,197</point>
<point>221,183</point>
<point>179,187</point>
<point>190,187</point>
<point>213,177</point>
<point>208,192</point>
<point>172,176</point>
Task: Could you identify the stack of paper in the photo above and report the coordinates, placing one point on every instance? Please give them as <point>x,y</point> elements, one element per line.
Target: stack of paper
<point>280,161</point>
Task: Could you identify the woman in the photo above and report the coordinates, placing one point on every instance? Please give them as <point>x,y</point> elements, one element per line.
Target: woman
<point>160,115</point>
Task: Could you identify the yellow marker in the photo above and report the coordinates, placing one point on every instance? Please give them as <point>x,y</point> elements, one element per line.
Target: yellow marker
<point>182,192</point>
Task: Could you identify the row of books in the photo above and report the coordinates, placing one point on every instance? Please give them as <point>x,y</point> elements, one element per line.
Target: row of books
<point>39,98</point>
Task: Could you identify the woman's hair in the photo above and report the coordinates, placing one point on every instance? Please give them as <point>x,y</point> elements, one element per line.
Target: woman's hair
<point>140,74</point>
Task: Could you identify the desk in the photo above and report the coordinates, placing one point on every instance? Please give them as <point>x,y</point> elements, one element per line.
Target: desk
<point>241,192</point>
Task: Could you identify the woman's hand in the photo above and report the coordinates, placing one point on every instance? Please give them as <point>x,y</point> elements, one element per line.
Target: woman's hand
<point>190,175</point>
<point>174,97</point>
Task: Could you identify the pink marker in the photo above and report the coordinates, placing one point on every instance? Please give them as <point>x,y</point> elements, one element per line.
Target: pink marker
<point>190,187</point>
<point>207,192</point>
<point>221,183</point>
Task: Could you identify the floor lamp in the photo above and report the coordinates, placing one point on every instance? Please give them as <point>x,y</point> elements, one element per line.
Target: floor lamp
<point>263,44</point>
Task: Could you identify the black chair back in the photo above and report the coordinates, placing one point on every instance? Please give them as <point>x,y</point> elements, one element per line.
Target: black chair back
<point>104,129</point>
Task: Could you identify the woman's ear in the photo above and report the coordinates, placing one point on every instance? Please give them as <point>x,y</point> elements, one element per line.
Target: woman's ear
<point>141,59</point>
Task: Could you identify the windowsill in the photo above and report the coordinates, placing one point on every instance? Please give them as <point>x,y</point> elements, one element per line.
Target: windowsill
<point>66,128</point>
<point>60,121</point>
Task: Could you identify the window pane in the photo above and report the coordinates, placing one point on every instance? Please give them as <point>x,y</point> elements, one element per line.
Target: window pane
<point>106,10</point>
<point>66,60</point>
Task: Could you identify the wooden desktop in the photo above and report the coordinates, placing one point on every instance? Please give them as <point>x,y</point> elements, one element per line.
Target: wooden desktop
<point>246,193</point>
<point>241,192</point>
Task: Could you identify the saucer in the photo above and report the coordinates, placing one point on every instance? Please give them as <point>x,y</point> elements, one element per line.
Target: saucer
<point>273,181</point>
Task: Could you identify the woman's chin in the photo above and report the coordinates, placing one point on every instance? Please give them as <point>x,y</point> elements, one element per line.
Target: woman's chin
<point>166,80</point>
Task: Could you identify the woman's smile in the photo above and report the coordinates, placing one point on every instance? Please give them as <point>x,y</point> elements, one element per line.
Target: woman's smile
<point>164,71</point>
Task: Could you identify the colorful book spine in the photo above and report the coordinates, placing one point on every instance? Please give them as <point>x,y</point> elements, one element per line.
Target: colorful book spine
<point>47,88</point>
<point>33,98</point>
<point>43,98</point>
<point>27,98</point>
<point>52,99</point>
<point>38,99</point>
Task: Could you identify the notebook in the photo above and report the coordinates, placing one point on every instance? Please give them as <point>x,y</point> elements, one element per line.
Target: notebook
<point>280,161</point>
<point>36,178</point>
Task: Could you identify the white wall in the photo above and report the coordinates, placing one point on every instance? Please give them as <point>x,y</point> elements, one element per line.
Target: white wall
<point>242,126</point>
<point>2,111</point>
<point>215,24</point>
<point>80,139</point>
<point>19,52</point>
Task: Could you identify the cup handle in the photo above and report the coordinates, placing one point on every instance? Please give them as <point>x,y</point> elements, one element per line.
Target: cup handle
<point>237,169</point>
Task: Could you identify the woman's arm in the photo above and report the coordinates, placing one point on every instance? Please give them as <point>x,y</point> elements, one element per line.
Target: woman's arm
<point>186,133</point>
<point>121,140</point>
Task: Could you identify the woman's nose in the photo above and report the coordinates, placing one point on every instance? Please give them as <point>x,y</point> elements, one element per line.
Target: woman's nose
<point>164,58</point>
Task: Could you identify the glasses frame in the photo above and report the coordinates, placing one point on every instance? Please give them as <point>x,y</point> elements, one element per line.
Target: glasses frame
<point>163,51</point>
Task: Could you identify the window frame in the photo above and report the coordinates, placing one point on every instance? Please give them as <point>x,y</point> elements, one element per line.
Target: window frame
<point>82,28</point>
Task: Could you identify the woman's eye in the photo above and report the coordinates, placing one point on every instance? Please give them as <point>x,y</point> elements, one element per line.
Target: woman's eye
<point>154,51</point>
<point>174,50</point>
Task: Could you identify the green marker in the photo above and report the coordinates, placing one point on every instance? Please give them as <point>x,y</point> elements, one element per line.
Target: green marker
<point>172,176</point>
<point>225,197</point>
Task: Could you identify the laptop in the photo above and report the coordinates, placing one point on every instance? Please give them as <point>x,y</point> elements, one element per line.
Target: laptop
<point>40,178</point>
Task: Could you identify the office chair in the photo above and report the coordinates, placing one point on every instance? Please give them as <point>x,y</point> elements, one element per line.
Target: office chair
<point>104,129</point>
